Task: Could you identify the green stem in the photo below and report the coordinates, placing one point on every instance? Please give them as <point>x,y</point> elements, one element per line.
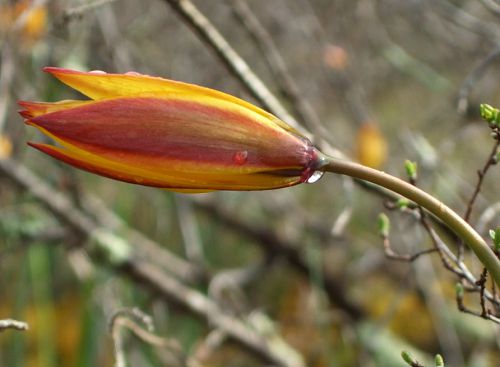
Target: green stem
<point>430,203</point>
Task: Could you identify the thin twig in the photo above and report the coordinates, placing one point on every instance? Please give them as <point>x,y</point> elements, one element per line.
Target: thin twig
<point>473,77</point>
<point>292,252</point>
<point>482,284</point>
<point>78,11</point>
<point>490,161</point>
<point>492,6</point>
<point>391,254</point>
<point>465,20</point>
<point>234,62</point>
<point>461,306</point>
<point>125,319</point>
<point>277,64</point>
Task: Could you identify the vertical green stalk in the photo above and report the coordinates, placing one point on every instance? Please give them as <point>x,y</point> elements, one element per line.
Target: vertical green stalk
<point>425,200</point>
<point>42,298</point>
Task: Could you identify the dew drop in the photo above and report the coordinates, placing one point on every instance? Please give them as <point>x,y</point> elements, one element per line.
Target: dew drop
<point>315,177</point>
<point>240,157</point>
<point>98,72</point>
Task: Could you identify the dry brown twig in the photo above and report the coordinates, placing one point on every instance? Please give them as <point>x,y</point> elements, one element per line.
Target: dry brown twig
<point>289,89</point>
<point>473,78</point>
<point>78,12</point>
<point>127,319</point>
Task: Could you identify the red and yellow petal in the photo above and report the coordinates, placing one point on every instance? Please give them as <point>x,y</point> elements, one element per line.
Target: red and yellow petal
<point>34,109</point>
<point>100,85</point>
<point>175,129</point>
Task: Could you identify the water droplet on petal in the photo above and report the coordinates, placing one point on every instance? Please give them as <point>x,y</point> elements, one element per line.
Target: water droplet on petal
<point>240,157</point>
<point>315,177</point>
<point>133,73</point>
<point>97,72</point>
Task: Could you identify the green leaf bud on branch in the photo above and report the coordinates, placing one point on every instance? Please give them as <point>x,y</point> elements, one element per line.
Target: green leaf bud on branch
<point>495,236</point>
<point>459,290</point>
<point>411,170</point>
<point>490,114</point>
<point>384,225</point>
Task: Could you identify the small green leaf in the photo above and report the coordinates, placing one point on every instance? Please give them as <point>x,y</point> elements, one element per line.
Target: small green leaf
<point>407,357</point>
<point>459,290</point>
<point>439,361</point>
<point>411,169</point>
<point>490,114</point>
<point>403,203</point>
<point>384,225</point>
<point>495,236</point>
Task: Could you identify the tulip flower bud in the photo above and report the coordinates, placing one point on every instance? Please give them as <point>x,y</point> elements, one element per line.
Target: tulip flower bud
<point>182,137</point>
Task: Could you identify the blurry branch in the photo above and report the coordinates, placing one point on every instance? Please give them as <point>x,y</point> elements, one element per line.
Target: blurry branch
<point>492,6</point>
<point>189,230</point>
<point>78,11</point>
<point>290,90</point>
<point>13,324</point>
<point>7,69</point>
<point>336,70</point>
<point>463,19</point>
<point>115,252</point>
<point>484,313</point>
<point>198,304</point>
<point>391,254</point>
<point>490,161</point>
<point>50,234</point>
<point>292,252</point>
<point>487,216</point>
<point>473,77</point>
<point>124,319</point>
<point>85,225</point>
<point>234,62</point>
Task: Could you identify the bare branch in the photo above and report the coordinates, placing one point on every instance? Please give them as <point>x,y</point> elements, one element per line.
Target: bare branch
<point>490,161</point>
<point>473,77</point>
<point>288,87</point>
<point>125,319</point>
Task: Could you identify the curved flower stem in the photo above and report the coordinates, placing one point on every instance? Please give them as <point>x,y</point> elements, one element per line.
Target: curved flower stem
<point>430,203</point>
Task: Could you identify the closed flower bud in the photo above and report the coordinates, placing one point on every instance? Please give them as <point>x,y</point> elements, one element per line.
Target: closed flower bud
<point>178,136</point>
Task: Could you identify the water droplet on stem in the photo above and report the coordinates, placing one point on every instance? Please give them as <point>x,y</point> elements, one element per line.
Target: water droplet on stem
<point>315,177</point>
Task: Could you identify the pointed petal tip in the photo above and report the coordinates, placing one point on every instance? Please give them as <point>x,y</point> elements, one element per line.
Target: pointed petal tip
<point>58,70</point>
<point>26,114</point>
<point>27,111</point>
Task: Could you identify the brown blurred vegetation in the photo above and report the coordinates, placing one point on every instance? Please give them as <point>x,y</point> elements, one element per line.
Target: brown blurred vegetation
<point>383,77</point>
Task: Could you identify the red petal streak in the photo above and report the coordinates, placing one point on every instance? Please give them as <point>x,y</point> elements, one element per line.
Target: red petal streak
<point>71,159</point>
<point>175,130</point>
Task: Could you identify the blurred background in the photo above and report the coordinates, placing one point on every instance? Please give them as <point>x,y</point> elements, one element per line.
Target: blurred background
<point>303,269</point>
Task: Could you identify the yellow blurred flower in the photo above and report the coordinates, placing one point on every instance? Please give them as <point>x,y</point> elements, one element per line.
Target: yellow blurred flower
<point>32,20</point>
<point>371,146</point>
